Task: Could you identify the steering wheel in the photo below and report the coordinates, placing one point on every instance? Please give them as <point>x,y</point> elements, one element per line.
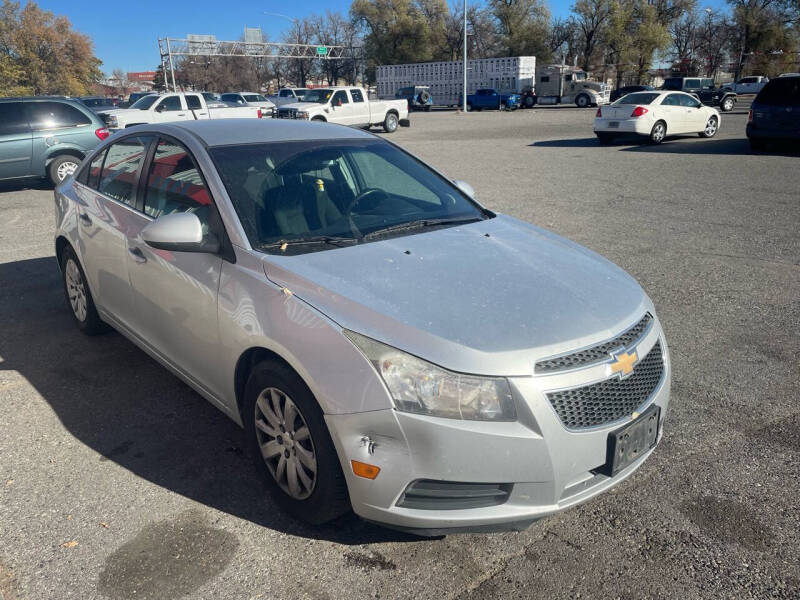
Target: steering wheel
<point>366,193</point>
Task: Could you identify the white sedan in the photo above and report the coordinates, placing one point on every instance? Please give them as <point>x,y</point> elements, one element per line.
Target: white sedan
<point>655,115</point>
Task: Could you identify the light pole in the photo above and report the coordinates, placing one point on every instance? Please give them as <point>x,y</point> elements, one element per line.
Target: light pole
<point>464,95</point>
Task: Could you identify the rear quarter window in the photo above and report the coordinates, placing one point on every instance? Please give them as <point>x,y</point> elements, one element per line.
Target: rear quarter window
<point>12,119</point>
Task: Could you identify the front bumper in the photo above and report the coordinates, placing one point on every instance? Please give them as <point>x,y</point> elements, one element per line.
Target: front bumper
<point>549,468</point>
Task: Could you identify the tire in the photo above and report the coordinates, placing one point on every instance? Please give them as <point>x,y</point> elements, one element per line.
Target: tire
<point>727,104</point>
<point>79,297</point>
<point>469,107</point>
<point>604,138</point>
<point>712,126</point>
<point>582,101</point>
<point>318,494</point>
<point>658,133</point>
<point>390,123</point>
<point>427,108</point>
<point>424,97</point>
<point>62,167</point>
<point>529,101</point>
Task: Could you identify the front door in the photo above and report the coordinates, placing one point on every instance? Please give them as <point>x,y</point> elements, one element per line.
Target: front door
<point>171,108</point>
<point>15,141</point>
<point>696,118</point>
<point>106,217</point>
<point>176,292</point>
<point>343,110</point>
<point>674,114</point>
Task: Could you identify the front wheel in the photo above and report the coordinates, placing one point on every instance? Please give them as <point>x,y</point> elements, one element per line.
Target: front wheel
<point>291,444</point>
<point>711,128</point>
<point>78,295</point>
<point>390,123</point>
<point>582,101</point>
<point>62,167</point>
<point>727,105</point>
<point>658,133</point>
<point>469,107</point>
<point>529,101</point>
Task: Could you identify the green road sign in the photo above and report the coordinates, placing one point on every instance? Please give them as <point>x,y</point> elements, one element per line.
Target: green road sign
<point>322,51</point>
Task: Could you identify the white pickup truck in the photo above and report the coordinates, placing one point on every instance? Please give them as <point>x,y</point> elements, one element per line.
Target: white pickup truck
<point>347,106</point>
<point>174,107</point>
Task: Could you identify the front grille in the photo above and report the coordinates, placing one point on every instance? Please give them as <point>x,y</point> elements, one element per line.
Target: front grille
<point>595,354</point>
<point>427,494</point>
<point>612,399</point>
<point>287,113</point>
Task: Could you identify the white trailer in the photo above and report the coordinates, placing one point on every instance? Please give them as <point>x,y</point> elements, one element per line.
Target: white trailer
<point>446,79</point>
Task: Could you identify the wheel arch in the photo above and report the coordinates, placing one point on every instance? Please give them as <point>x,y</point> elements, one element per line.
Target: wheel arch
<point>319,118</point>
<point>57,151</point>
<point>61,243</point>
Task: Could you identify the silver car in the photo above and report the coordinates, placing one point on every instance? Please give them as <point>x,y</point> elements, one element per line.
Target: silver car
<point>387,343</point>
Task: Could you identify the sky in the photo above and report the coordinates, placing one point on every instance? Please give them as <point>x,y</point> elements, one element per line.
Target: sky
<point>125,34</point>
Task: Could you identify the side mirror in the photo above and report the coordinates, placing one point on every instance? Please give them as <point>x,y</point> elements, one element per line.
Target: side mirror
<point>179,232</point>
<point>161,107</point>
<point>465,187</point>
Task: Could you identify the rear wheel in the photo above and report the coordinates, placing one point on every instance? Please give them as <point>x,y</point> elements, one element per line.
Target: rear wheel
<point>712,125</point>
<point>390,123</point>
<point>658,132</point>
<point>62,167</point>
<point>78,295</point>
<point>291,444</point>
<point>582,101</point>
<point>469,106</point>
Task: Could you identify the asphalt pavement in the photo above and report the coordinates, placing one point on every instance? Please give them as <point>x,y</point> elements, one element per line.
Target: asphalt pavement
<point>118,481</point>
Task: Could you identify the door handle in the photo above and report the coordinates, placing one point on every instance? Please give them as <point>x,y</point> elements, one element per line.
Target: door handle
<point>85,219</point>
<point>137,254</point>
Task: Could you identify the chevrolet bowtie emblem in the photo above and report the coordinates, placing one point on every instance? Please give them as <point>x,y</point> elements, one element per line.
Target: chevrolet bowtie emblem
<point>623,363</point>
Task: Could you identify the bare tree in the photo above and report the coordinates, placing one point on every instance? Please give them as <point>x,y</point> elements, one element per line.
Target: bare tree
<point>591,19</point>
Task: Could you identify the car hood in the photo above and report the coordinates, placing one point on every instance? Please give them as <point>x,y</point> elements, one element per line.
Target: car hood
<point>487,298</point>
<point>301,105</point>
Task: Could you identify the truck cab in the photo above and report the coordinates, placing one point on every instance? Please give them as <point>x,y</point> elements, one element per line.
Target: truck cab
<point>562,84</point>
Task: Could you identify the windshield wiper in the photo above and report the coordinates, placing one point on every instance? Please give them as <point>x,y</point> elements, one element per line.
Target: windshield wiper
<point>419,224</point>
<point>331,240</point>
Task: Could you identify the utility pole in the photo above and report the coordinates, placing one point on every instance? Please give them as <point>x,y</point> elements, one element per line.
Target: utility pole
<point>464,95</point>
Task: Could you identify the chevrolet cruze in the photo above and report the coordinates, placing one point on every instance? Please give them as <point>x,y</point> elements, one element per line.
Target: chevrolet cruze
<point>387,343</point>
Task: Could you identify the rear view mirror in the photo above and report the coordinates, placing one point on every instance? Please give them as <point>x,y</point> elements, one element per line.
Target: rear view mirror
<point>179,232</point>
<point>465,187</point>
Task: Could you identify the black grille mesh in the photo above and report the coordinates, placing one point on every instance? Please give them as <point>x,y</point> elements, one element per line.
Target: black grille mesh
<point>612,399</point>
<point>595,354</point>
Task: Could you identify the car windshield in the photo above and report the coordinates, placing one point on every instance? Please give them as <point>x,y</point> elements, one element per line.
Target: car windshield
<point>638,98</point>
<point>144,102</point>
<point>97,102</point>
<point>782,91</point>
<point>305,196</point>
<point>317,96</point>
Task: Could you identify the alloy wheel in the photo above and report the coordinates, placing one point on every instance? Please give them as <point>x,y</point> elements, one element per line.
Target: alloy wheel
<point>711,127</point>
<point>65,169</point>
<point>285,443</point>
<point>76,290</point>
<point>658,132</point>
<point>727,106</point>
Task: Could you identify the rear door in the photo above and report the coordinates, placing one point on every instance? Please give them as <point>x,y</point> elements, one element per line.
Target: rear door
<point>196,106</point>
<point>107,217</point>
<point>361,108</point>
<point>15,141</point>
<point>58,124</point>
<point>175,293</point>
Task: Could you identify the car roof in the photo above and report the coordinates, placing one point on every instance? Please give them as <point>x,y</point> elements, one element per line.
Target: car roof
<point>227,132</point>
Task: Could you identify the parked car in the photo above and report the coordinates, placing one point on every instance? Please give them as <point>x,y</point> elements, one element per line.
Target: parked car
<point>347,106</point>
<point>46,136</point>
<point>155,108</point>
<point>288,96</point>
<point>386,342</point>
<point>250,99</point>
<point>655,115</point>
<point>747,85</point>
<point>492,99</point>
<point>629,89</point>
<point>97,103</point>
<point>419,97</point>
<point>775,113</point>
<point>703,88</point>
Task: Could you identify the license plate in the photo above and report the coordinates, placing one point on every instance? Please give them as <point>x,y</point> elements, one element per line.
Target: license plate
<point>627,444</point>
<point>613,125</point>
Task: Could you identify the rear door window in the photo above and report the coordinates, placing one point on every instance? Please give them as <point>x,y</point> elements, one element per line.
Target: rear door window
<point>119,176</point>
<point>784,91</point>
<point>357,95</point>
<point>193,102</point>
<point>12,119</point>
<point>55,115</point>
<point>175,185</point>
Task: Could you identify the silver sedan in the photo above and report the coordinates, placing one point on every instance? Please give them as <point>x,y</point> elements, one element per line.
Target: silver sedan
<point>388,344</point>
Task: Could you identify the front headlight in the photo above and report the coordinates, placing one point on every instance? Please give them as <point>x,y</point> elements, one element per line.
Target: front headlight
<point>418,386</point>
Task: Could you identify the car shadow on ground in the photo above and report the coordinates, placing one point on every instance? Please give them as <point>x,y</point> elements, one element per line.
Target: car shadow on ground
<point>17,185</point>
<point>119,402</point>
<point>673,145</point>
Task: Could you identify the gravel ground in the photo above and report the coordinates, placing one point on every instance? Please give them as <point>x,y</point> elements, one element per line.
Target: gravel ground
<point>117,481</point>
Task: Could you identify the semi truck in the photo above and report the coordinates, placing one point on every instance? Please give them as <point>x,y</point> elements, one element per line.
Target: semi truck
<point>563,84</point>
